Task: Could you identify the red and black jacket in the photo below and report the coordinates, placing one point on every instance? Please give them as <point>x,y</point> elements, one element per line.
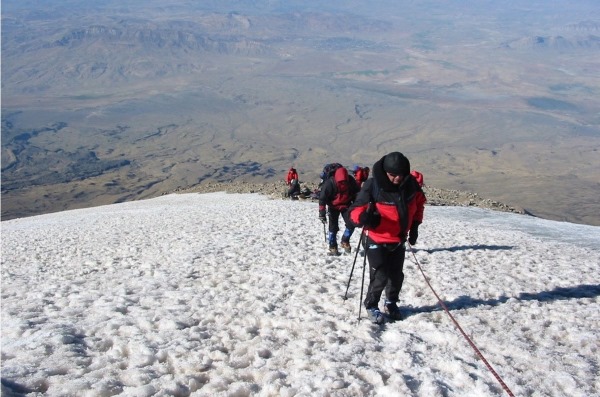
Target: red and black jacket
<point>332,197</point>
<point>399,205</point>
<point>361,176</point>
<point>291,175</point>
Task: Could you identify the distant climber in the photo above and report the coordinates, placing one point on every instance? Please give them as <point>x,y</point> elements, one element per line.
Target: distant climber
<point>361,174</point>
<point>291,175</point>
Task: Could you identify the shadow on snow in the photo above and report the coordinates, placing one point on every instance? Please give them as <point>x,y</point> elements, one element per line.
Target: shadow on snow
<point>468,247</point>
<point>466,302</point>
<point>559,293</point>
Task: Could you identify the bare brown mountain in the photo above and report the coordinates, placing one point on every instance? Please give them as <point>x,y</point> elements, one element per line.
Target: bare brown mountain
<point>556,43</point>
<point>109,102</point>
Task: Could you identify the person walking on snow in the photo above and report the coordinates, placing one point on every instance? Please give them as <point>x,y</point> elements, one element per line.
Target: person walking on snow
<point>337,193</point>
<point>360,174</point>
<point>390,208</point>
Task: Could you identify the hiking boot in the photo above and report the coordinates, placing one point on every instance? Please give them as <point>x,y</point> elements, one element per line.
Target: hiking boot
<point>346,246</point>
<point>375,315</point>
<point>393,312</point>
<point>333,251</point>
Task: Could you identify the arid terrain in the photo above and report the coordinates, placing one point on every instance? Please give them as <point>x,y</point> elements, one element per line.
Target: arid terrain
<point>105,103</point>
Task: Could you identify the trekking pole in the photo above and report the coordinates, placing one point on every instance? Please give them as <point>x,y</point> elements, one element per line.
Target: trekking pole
<point>354,263</point>
<point>362,284</point>
<point>325,232</point>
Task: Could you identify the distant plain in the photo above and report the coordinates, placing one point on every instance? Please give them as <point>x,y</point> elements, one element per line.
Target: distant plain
<point>116,102</point>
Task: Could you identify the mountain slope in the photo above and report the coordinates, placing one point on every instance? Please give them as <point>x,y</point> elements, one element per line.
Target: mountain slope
<point>214,294</point>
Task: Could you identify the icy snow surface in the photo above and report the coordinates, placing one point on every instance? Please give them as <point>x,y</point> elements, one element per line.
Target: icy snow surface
<point>232,295</point>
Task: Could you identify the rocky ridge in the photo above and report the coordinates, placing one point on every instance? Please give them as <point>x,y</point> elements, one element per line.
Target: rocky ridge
<point>435,196</point>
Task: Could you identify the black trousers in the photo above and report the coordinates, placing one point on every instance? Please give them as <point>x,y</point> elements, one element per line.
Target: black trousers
<point>293,190</point>
<point>386,265</point>
<point>334,216</point>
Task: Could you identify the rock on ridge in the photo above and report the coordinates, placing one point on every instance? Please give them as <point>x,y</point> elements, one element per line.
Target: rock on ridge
<point>277,190</point>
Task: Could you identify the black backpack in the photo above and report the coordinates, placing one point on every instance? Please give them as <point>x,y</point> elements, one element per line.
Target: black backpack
<point>329,171</point>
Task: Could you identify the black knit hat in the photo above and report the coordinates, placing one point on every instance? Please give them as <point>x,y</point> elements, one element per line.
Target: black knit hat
<point>396,163</point>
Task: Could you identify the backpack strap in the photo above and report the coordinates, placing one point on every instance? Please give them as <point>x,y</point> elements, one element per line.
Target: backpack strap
<point>375,190</point>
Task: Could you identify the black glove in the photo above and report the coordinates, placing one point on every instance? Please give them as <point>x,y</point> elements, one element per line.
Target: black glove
<point>369,219</point>
<point>322,216</point>
<point>413,235</point>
